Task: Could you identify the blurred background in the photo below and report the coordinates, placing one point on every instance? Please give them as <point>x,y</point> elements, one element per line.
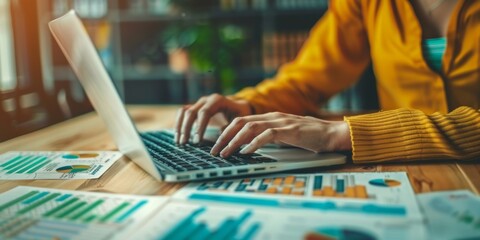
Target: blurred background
<point>156,52</point>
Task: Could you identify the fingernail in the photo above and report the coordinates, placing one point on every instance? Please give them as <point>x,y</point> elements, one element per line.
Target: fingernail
<point>175,137</point>
<point>214,151</point>
<point>223,153</point>
<point>196,138</point>
<point>246,149</point>
<point>183,139</point>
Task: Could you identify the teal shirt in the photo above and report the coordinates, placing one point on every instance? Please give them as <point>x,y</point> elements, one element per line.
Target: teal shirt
<point>433,50</point>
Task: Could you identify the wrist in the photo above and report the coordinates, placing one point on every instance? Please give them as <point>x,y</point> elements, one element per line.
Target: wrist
<point>344,137</point>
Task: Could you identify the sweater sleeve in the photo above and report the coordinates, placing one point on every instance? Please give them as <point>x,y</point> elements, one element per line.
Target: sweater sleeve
<point>409,135</point>
<point>332,59</point>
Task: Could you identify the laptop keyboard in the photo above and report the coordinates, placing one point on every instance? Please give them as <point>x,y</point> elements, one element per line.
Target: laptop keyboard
<point>189,157</point>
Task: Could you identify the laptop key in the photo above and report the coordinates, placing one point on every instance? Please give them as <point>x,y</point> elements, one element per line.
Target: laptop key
<point>224,165</point>
<point>192,168</point>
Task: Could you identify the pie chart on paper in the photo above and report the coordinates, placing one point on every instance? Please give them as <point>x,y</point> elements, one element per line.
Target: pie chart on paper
<point>384,182</point>
<point>338,233</point>
<point>73,168</point>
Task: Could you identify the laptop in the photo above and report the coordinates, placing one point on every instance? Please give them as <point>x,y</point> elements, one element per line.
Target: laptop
<point>155,151</point>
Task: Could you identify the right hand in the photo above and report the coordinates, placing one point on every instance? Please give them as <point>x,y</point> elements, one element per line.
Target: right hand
<point>204,109</point>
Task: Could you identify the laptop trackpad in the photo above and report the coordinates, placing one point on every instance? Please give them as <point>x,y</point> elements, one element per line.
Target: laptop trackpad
<point>296,154</point>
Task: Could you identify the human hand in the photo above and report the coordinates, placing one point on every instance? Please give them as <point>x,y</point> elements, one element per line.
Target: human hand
<point>309,133</point>
<point>204,109</point>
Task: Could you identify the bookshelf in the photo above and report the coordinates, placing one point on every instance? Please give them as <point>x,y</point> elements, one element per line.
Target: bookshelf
<point>174,51</point>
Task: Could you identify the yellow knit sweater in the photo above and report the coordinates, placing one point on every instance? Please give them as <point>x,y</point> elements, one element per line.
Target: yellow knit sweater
<point>354,33</point>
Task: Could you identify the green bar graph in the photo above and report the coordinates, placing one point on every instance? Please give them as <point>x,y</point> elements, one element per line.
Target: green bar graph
<point>39,166</point>
<point>17,200</point>
<point>14,165</point>
<point>12,161</point>
<point>70,210</point>
<point>89,219</point>
<point>41,213</point>
<point>38,203</point>
<point>32,165</point>
<point>86,210</point>
<point>60,207</point>
<point>66,210</point>
<point>23,164</point>
<point>114,211</point>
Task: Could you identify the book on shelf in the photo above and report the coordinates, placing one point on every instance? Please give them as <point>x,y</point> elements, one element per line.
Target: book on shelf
<point>152,6</point>
<point>101,34</point>
<point>84,8</point>
<point>228,5</point>
<point>300,4</point>
<point>280,48</point>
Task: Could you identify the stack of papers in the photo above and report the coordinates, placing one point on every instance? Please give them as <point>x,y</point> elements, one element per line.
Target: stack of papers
<point>362,206</point>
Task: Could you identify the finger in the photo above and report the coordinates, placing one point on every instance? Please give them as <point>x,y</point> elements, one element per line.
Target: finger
<point>210,108</point>
<point>247,134</point>
<point>178,122</point>
<point>237,124</point>
<point>188,119</point>
<point>268,136</point>
<point>229,132</point>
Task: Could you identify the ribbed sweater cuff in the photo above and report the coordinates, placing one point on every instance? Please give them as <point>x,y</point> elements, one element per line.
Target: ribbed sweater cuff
<point>387,136</point>
<point>405,135</point>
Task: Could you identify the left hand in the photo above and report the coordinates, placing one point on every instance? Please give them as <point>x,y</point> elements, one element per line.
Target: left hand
<point>309,133</point>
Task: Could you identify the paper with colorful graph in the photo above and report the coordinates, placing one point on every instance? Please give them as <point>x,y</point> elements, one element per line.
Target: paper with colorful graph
<point>387,193</point>
<point>451,214</point>
<point>56,165</point>
<point>201,220</point>
<point>44,213</point>
<point>367,206</point>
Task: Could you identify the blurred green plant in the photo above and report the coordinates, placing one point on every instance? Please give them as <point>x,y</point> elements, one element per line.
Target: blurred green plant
<point>211,49</point>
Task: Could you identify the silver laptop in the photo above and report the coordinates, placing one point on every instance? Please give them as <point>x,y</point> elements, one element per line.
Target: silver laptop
<point>156,152</point>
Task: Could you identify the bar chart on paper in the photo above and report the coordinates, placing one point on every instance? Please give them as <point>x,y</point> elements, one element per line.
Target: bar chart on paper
<point>194,220</point>
<point>340,185</point>
<point>327,185</point>
<point>55,165</point>
<point>40,213</point>
<point>226,228</point>
<point>184,220</point>
<point>379,192</point>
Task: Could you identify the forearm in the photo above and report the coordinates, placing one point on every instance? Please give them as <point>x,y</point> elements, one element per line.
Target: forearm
<point>331,60</point>
<point>276,96</point>
<point>408,135</point>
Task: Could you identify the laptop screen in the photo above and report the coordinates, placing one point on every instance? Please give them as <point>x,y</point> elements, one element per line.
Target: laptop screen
<point>80,52</point>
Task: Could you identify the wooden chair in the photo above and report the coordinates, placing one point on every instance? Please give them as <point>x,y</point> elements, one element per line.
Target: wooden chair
<point>28,106</point>
<point>6,124</point>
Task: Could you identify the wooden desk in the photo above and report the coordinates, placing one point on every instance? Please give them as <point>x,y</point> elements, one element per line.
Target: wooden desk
<point>88,132</point>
